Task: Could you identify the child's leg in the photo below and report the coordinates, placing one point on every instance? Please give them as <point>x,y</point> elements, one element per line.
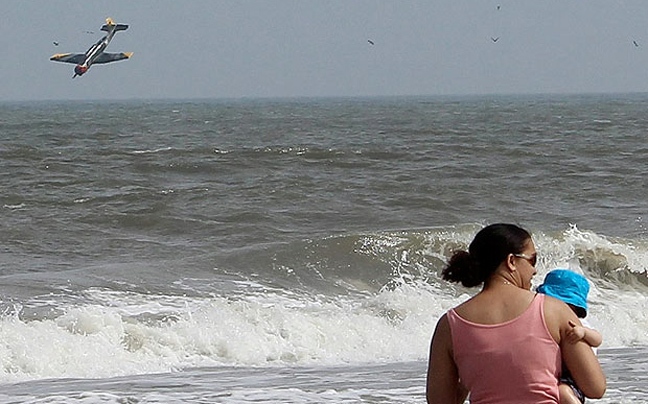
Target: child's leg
<point>567,394</point>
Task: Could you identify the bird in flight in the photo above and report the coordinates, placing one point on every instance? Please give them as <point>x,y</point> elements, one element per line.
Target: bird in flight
<point>55,43</point>
<point>635,43</point>
<point>370,41</point>
<point>494,39</point>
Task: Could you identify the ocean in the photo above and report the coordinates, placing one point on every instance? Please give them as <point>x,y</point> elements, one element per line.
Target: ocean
<point>290,250</point>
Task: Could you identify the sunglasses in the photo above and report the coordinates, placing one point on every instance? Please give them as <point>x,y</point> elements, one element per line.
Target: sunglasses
<point>532,260</point>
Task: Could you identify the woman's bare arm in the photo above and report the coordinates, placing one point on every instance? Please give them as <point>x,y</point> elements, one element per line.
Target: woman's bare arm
<point>581,361</point>
<point>442,378</point>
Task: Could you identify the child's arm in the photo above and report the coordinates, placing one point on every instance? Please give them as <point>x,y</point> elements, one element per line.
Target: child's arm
<point>592,337</point>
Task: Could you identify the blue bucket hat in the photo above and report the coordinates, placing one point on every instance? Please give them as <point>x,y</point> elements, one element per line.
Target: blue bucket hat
<point>568,286</point>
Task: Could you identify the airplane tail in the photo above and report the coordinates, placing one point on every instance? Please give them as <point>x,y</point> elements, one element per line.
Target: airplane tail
<point>110,24</point>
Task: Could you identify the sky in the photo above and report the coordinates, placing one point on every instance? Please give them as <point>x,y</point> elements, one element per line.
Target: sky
<point>320,48</point>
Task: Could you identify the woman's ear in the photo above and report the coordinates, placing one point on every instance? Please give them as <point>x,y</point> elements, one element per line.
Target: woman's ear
<point>510,263</point>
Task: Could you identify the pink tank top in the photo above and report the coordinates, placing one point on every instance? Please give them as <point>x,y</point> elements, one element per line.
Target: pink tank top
<point>515,362</point>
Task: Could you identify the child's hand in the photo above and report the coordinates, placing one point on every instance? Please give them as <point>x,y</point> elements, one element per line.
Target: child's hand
<point>576,333</point>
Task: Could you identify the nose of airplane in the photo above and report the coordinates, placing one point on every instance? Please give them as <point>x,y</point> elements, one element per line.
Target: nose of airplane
<point>80,69</point>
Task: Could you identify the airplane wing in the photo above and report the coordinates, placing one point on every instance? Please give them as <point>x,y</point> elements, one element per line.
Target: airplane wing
<point>76,58</point>
<point>112,57</point>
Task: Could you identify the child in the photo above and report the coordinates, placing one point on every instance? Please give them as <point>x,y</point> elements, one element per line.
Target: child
<point>571,288</point>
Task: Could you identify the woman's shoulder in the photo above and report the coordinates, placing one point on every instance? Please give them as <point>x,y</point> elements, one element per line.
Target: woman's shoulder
<point>495,306</point>
<point>556,306</point>
<point>557,316</point>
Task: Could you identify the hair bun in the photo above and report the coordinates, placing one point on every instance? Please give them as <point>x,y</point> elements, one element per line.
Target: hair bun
<point>462,268</point>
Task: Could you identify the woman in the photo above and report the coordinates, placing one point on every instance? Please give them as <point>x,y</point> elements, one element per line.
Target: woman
<point>506,344</point>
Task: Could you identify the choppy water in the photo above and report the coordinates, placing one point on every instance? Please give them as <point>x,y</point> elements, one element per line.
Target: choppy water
<point>289,250</point>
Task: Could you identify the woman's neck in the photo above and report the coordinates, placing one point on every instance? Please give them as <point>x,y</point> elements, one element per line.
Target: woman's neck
<point>501,279</point>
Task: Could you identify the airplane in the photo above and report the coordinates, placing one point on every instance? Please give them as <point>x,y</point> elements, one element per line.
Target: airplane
<point>96,52</point>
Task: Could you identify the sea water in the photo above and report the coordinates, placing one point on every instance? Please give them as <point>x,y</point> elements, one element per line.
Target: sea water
<point>289,250</point>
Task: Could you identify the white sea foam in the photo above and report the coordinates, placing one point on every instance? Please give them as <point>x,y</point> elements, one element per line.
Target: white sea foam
<point>149,151</point>
<point>133,334</point>
<point>145,334</point>
<point>14,207</point>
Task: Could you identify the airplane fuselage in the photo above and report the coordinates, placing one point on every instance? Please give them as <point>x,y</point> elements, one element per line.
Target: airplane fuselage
<point>94,52</point>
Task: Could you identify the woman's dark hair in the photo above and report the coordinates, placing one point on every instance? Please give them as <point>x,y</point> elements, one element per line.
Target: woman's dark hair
<point>488,249</point>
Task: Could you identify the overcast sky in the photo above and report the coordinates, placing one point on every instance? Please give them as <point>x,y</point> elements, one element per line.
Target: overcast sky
<point>287,48</point>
